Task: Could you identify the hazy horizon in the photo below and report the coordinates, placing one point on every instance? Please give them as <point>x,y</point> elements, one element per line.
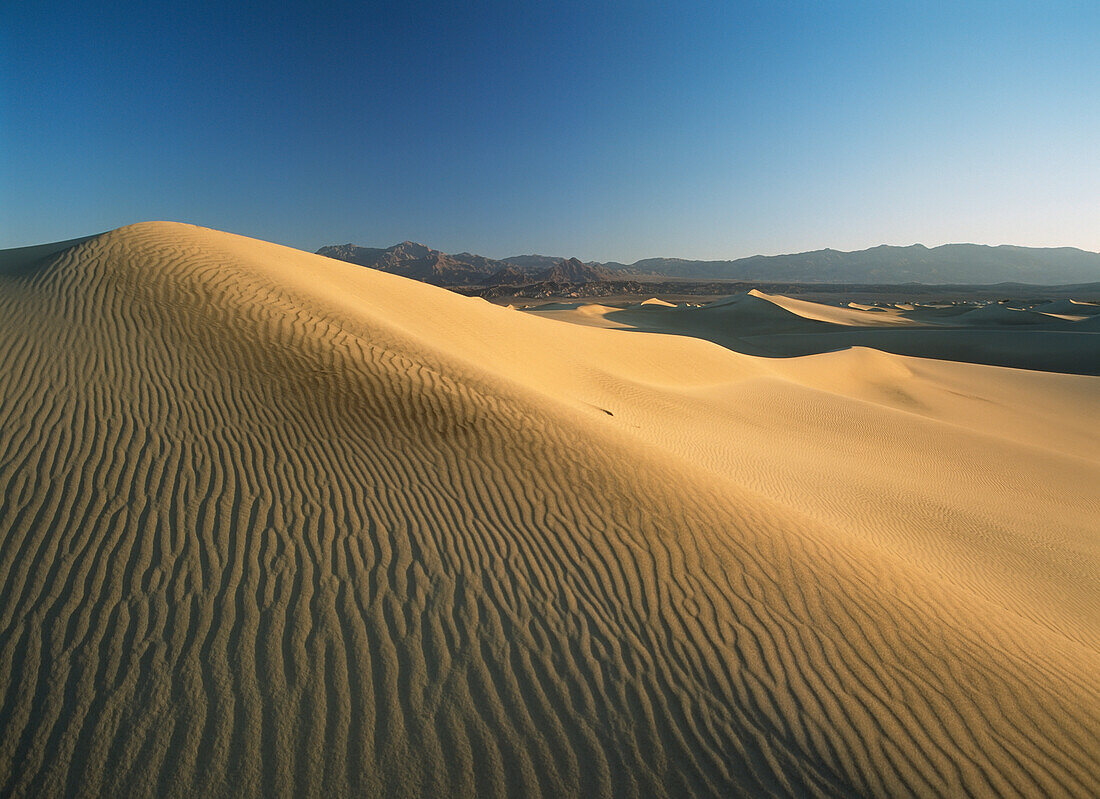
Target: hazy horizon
<point>582,257</point>
<point>603,131</point>
<point>701,258</point>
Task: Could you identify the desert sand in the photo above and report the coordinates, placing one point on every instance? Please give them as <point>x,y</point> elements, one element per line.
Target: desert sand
<point>275,524</point>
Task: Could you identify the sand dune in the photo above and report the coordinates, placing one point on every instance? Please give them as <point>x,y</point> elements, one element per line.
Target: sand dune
<point>1069,307</point>
<point>1000,315</point>
<point>275,524</point>
<point>856,317</point>
<point>756,323</point>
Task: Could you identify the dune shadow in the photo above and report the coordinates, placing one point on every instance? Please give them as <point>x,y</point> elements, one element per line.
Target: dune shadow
<point>22,261</point>
<point>1049,347</point>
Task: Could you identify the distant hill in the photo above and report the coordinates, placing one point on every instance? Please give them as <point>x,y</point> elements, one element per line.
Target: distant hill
<point>950,263</point>
<point>419,262</point>
<point>973,264</point>
<point>534,262</point>
<point>572,270</point>
<point>507,275</point>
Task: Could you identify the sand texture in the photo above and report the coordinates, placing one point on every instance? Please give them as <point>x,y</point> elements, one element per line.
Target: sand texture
<point>273,524</point>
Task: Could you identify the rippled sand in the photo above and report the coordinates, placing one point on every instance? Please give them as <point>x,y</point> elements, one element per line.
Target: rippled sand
<point>274,524</point>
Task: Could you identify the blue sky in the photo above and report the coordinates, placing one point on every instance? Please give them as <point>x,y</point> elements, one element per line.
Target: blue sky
<point>603,130</point>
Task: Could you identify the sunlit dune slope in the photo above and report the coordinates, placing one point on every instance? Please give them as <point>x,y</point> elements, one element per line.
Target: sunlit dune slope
<point>852,317</point>
<point>274,524</point>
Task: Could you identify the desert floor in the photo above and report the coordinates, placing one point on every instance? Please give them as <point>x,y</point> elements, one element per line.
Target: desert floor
<point>273,524</point>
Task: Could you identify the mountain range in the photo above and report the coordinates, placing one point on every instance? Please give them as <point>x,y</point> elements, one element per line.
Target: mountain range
<point>949,263</point>
<point>417,261</point>
<point>420,262</point>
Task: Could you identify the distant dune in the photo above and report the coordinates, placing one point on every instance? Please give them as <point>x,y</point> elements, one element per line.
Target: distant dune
<point>273,524</point>
<point>756,323</point>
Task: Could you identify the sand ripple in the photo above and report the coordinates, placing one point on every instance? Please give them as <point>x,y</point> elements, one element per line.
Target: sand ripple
<point>262,533</point>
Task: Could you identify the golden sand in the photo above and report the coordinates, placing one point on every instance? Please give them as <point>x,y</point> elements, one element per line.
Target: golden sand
<point>275,524</point>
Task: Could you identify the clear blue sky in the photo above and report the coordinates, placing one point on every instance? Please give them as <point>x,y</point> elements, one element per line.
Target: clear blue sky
<point>601,130</point>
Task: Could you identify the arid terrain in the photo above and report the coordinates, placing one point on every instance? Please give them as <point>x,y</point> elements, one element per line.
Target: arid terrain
<point>274,524</point>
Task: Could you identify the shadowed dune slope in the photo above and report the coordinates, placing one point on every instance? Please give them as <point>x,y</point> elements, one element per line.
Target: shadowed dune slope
<point>274,524</point>
<point>761,324</point>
